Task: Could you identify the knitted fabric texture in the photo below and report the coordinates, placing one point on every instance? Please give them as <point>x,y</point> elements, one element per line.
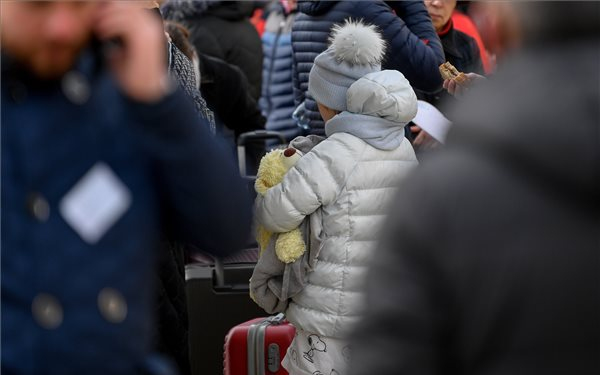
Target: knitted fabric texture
<point>182,69</point>
<point>356,49</point>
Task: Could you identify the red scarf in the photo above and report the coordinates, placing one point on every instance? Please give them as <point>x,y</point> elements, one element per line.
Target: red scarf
<point>446,29</point>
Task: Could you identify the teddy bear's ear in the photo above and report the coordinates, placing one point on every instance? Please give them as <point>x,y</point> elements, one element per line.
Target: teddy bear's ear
<point>291,157</point>
<point>288,152</point>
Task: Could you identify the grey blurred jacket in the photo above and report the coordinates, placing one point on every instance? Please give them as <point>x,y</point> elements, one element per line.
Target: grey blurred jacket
<point>492,266</point>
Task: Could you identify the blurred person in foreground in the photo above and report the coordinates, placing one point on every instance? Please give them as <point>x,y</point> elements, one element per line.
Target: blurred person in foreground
<point>494,270</point>
<point>101,153</point>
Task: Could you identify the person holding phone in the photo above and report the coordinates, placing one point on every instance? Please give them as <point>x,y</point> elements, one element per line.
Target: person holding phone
<point>102,154</point>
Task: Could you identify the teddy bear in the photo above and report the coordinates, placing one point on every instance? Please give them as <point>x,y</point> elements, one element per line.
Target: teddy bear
<point>289,246</point>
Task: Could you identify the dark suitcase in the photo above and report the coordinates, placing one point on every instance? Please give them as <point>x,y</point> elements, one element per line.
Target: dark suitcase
<point>257,347</point>
<point>218,298</point>
<point>217,290</point>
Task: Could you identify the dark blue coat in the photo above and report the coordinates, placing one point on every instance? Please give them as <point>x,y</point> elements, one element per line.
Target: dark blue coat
<point>413,45</point>
<point>277,99</point>
<point>74,307</point>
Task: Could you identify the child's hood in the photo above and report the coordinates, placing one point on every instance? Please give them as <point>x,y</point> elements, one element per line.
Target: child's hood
<point>386,94</point>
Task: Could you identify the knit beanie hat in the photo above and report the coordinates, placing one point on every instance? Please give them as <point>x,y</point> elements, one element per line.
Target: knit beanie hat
<point>356,49</point>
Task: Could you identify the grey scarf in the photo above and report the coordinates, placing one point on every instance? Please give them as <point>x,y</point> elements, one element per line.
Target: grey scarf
<point>182,69</point>
<point>376,131</point>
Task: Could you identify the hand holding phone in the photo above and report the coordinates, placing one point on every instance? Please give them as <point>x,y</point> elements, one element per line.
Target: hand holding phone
<point>137,49</point>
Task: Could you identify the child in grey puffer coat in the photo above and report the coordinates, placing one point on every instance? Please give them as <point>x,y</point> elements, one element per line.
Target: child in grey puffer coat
<point>345,182</point>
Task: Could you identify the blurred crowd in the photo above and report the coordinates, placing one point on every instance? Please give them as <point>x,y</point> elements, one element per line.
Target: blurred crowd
<point>451,224</point>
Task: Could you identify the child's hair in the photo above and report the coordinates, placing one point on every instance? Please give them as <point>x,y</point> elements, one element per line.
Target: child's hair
<point>180,37</point>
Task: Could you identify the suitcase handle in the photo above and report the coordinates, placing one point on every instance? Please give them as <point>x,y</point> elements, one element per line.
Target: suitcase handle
<point>220,285</point>
<point>213,267</point>
<point>219,273</point>
<point>250,136</point>
<point>276,319</point>
<point>259,134</point>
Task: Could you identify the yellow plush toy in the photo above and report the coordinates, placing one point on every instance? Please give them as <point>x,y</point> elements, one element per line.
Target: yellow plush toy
<point>289,246</point>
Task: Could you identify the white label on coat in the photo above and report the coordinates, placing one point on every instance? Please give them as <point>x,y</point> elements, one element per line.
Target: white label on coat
<point>95,203</point>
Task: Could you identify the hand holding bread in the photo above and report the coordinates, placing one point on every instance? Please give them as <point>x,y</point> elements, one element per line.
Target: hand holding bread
<point>457,82</point>
<point>448,71</point>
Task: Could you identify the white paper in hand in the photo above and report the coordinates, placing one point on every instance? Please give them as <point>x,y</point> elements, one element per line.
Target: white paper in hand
<point>95,203</point>
<point>432,121</point>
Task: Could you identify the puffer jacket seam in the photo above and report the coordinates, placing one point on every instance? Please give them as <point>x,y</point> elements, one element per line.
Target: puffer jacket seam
<point>347,241</point>
<point>308,308</point>
<point>338,264</point>
<point>334,289</point>
<point>357,161</point>
<point>328,262</point>
<point>374,188</point>
<point>344,269</point>
<point>358,240</point>
<point>362,215</point>
<point>303,174</point>
<point>390,160</point>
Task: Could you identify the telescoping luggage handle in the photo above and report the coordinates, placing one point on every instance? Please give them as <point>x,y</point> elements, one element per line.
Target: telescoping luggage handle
<point>244,138</point>
<point>220,285</point>
<point>256,347</point>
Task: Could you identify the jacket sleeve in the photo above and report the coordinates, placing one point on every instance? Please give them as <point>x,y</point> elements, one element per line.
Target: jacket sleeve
<point>313,182</point>
<point>204,200</point>
<point>414,47</point>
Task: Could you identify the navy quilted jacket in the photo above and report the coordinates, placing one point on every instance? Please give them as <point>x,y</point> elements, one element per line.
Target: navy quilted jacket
<point>413,45</point>
<point>277,99</point>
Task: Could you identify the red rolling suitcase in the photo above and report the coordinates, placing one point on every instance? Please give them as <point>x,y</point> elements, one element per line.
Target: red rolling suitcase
<point>258,346</point>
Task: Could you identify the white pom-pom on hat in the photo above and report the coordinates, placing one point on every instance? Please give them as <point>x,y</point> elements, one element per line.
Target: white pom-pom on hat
<point>357,43</point>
